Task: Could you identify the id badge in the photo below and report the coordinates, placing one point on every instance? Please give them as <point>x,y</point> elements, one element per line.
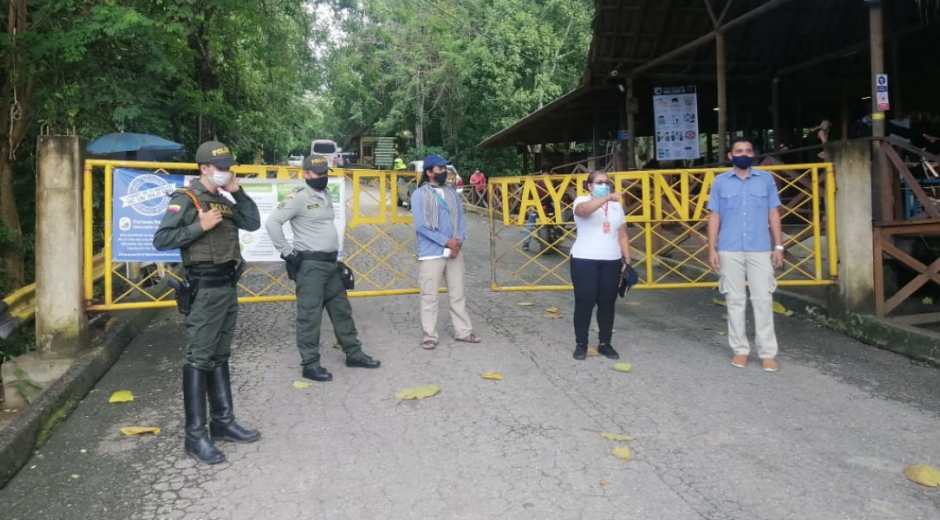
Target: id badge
<point>606,227</point>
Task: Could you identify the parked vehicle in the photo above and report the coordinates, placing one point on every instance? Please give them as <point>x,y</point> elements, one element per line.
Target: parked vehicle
<point>295,160</point>
<point>328,149</point>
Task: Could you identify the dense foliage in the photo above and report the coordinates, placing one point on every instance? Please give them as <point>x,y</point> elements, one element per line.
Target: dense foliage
<point>269,76</point>
<point>449,73</point>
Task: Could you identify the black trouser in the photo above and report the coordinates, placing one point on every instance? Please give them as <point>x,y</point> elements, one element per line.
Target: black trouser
<point>595,283</point>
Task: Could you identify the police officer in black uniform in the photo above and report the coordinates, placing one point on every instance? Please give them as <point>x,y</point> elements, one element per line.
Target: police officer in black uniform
<point>203,225</point>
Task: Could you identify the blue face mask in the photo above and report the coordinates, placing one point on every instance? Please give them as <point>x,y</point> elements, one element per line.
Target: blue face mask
<point>742,161</point>
<point>601,190</point>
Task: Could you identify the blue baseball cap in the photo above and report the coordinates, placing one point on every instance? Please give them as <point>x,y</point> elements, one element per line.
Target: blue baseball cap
<point>432,160</point>
<point>629,278</point>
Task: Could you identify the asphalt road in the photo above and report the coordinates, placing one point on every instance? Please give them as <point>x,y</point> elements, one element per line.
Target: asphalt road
<point>826,437</point>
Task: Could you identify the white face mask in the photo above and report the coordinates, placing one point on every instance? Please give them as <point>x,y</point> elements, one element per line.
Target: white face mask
<point>220,178</point>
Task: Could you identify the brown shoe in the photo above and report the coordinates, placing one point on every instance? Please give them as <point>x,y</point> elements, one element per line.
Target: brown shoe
<point>769,365</point>
<point>739,360</point>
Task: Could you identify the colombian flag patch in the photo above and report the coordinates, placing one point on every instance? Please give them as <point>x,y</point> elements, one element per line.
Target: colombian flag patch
<point>173,208</point>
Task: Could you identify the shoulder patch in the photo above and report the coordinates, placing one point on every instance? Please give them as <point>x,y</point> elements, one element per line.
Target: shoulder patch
<point>173,208</point>
<point>281,205</point>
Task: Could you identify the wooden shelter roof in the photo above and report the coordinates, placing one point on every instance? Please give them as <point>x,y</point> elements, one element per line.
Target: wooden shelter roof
<point>815,47</point>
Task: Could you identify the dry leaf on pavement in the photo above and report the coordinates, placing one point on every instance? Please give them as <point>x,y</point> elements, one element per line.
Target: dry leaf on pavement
<point>300,385</point>
<point>623,367</point>
<point>780,309</point>
<point>418,392</point>
<point>121,396</point>
<point>923,475</point>
<point>623,453</point>
<point>492,376</point>
<point>619,437</point>
<point>591,352</point>
<point>525,304</point>
<point>137,430</point>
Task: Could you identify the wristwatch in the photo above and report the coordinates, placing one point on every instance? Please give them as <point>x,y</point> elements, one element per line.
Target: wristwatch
<point>779,248</point>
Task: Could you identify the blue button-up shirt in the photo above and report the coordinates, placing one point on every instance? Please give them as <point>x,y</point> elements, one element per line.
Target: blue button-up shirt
<point>743,206</point>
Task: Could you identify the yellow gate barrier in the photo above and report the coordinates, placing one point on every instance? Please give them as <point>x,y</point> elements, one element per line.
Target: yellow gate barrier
<point>666,217</point>
<point>378,242</point>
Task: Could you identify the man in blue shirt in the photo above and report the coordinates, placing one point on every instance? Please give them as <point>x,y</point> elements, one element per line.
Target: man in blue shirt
<point>745,244</point>
<point>441,229</point>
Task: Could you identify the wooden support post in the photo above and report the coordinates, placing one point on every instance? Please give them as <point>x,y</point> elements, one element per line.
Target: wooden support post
<point>631,126</point>
<point>595,142</point>
<point>876,37</point>
<point>775,112</point>
<point>896,78</point>
<point>722,98</point>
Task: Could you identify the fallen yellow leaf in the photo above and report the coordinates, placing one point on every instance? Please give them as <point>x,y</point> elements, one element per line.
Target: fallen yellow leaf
<point>300,385</point>
<point>716,301</point>
<point>553,310</point>
<point>623,367</point>
<point>110,323</point>
<point>121,396</point>
<point>605,482</point>
<point>780,309</point>
<point>137,430</point>
<point>418,392</point>
<point>617,437</point>
<point>551,316</point>
<point>525,304</point>
<point>623,453</point>
<point>493,376</point>
<point>923,475</point>
<point>591,351</point>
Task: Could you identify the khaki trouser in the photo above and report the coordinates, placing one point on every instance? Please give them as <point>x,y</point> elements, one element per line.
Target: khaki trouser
<point>429,275</point>
<point>759,272</point>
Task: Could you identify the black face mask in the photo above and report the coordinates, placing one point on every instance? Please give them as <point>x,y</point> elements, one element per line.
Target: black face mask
<point>319,183</point>
<point>440,178</point>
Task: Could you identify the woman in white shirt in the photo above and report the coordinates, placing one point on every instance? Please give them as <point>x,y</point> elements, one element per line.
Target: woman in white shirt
<point>599,255</point>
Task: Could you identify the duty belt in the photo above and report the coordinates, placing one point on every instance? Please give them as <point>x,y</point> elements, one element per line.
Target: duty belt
<point>209,277</point>
<point>318,255</point>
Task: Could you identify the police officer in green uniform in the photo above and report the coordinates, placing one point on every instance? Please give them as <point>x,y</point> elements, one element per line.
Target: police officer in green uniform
<point>203,225</point>
<point>312,259</point>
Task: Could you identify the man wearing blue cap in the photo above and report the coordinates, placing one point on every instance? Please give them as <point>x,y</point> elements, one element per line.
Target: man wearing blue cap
<point>441,229</point>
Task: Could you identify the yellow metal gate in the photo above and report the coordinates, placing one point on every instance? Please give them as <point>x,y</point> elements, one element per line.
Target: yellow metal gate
<point>666,218</point>
<point>379,239</point>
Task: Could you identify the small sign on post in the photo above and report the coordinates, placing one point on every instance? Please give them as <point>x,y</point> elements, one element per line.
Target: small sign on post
<point>881,92</point>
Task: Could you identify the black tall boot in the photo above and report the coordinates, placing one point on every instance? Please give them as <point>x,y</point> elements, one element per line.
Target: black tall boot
<point>223,426</point>
<point>198,444</point>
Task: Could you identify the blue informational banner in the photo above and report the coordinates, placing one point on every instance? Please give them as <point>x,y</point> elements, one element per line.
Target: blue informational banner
<point>139,202</point>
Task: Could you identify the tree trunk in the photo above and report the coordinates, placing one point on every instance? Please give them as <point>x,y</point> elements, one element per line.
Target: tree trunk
<point>15,115</point>
<point>14,273</point>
